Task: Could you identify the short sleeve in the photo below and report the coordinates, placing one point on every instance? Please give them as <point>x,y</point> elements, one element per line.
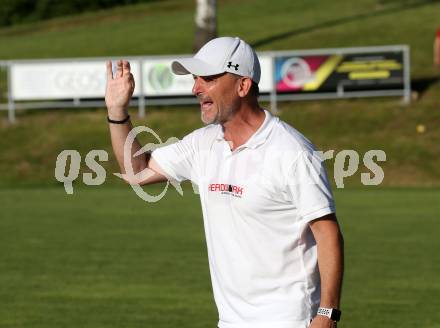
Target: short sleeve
<point>437,35</point>
<point>178,159</point>
<point>309,187</point>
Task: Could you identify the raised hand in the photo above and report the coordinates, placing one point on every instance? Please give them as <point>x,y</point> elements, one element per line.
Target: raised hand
<point>119,89</point>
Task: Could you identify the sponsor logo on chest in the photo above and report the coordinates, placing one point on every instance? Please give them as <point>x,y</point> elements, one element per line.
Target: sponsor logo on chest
<point>226,189</point>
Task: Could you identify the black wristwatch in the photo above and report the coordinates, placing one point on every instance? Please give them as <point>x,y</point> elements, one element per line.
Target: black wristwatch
<point>333,314</point>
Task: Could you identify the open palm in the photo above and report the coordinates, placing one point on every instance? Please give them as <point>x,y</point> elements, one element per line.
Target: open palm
<point>119,88</point>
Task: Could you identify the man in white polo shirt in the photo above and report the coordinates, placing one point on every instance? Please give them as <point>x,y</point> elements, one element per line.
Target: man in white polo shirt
<point>267,205</point>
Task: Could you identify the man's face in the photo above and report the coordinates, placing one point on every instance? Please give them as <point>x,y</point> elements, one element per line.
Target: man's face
<point>218,97</point>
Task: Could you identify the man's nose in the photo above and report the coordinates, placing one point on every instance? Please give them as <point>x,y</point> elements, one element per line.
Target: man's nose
<point>197,87</point>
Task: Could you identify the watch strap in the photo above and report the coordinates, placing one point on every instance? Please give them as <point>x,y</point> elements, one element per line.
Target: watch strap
<point>333,314</point>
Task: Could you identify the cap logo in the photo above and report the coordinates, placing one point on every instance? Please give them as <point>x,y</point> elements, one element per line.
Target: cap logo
<point>235,66</point>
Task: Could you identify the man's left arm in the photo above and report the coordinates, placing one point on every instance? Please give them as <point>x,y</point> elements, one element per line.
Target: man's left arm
<point>330,245</point>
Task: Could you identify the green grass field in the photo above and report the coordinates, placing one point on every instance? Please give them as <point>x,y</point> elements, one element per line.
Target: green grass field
<point>104,258</point>
<point>30,147</point>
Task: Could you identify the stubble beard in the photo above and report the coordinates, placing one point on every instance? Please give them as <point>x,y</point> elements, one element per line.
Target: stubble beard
<point>221,116</point>
<point>205,119</point>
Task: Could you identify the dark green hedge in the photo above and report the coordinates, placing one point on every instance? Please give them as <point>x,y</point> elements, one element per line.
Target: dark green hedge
<point>19,11</point>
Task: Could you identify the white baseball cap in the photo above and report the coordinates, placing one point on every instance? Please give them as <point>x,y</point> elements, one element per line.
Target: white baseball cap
<point>225,54</point>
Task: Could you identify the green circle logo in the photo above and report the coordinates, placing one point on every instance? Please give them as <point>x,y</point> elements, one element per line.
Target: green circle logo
<point>160,77</point>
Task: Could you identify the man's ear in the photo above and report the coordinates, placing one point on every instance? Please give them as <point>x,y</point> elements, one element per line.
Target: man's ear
<point>244,86</point>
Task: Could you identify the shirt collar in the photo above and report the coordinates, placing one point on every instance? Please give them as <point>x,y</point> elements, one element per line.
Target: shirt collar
<point>259,137</point>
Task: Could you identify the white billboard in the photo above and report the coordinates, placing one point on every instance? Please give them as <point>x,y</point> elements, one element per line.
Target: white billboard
<point>86,79</point>
<point>160,81</point>
<point>266,81</point>
<point>60,80</point>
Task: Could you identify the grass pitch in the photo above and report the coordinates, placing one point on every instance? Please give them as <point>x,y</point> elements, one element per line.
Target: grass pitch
<point>104,258</point>
<point>30,147</point>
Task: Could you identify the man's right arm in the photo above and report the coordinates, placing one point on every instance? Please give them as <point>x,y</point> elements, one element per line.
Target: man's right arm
<point>117,97</point>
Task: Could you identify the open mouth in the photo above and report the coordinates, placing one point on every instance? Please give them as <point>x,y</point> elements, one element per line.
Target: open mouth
<point>205,104</point>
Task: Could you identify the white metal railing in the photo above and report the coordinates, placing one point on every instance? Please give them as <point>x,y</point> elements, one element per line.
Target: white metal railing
<point>27,88</point>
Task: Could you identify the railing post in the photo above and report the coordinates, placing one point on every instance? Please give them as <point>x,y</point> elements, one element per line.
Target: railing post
<point>141,102</point>
<point>273,92</point>
<point>406,76</point>
<point>11,104</point>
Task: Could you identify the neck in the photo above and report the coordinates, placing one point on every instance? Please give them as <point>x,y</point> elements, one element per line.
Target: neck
<point>243,125</point>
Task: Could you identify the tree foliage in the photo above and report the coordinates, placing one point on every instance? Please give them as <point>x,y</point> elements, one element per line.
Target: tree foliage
<point>20,11</point>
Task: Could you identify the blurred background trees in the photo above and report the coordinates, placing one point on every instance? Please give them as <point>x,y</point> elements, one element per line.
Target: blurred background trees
<point>21,11</point>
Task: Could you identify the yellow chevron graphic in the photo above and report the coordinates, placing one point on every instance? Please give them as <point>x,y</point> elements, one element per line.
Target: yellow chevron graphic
<point>322,73</point>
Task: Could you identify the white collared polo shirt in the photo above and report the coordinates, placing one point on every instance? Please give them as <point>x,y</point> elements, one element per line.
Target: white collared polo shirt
<point>257,202</point>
